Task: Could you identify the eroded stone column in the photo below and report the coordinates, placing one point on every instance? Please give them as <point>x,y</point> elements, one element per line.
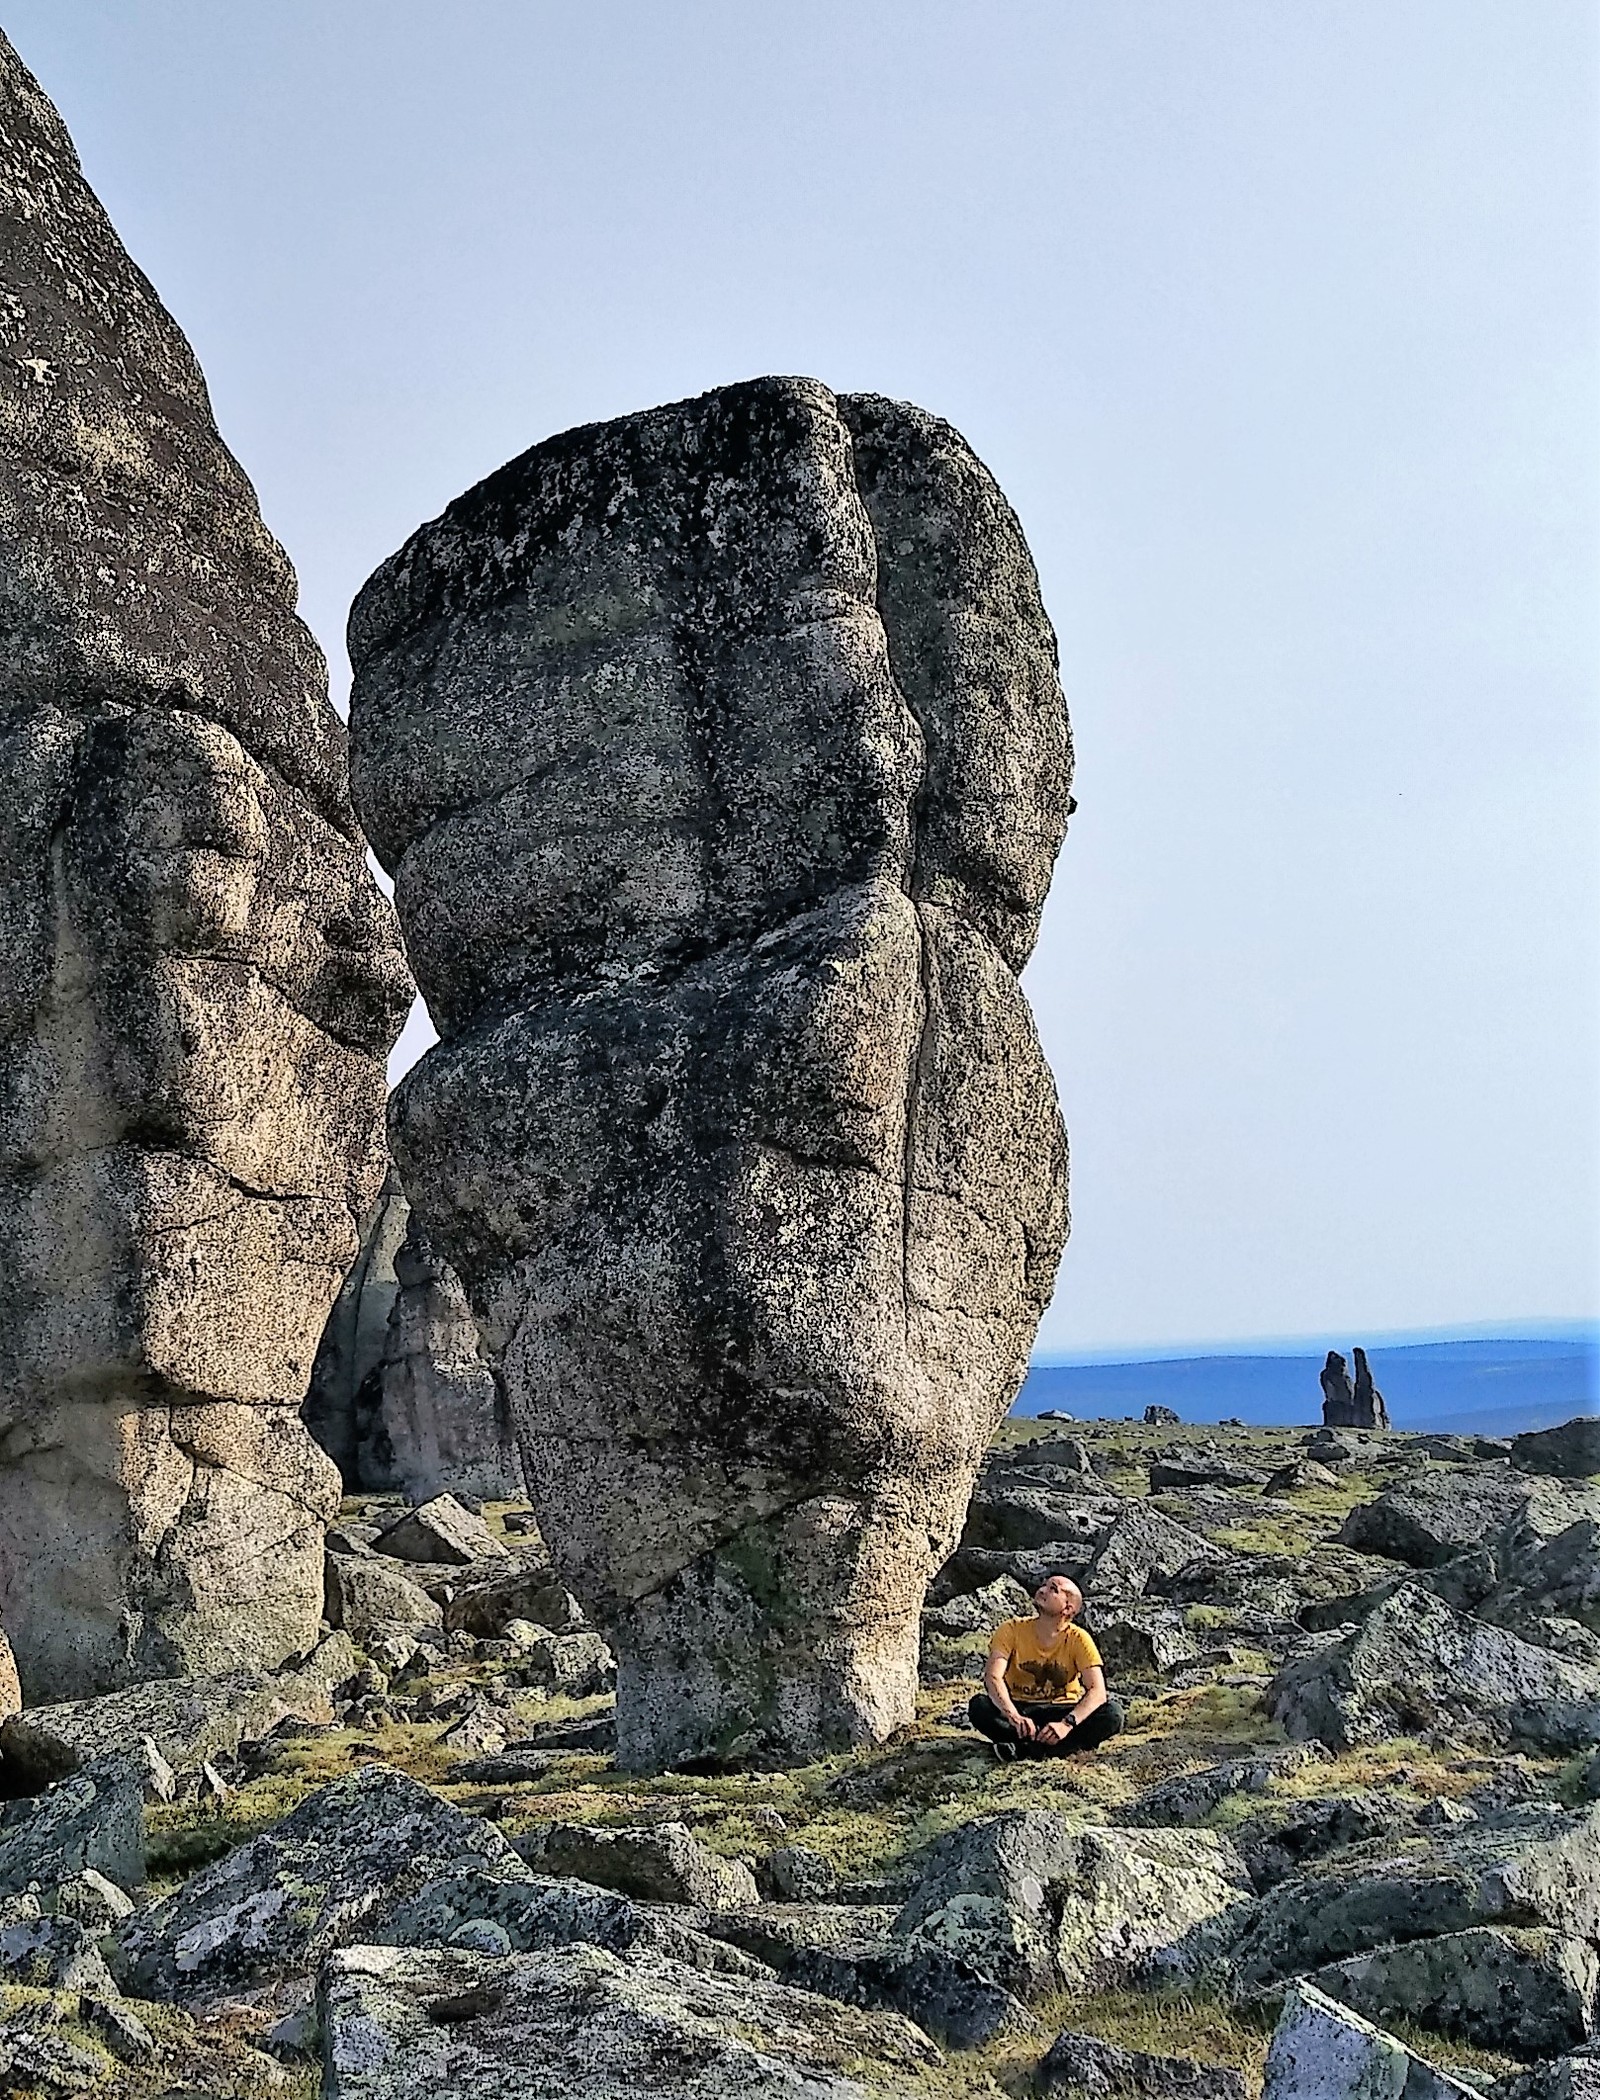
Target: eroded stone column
<point>721,762</point>
<point>199,988</point>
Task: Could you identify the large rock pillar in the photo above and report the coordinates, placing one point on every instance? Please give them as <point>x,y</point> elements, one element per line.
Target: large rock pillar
<point>720,760</point>
<point>199,987</point>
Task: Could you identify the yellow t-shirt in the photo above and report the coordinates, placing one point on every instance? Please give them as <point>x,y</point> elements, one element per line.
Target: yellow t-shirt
<point>1040,1669</point>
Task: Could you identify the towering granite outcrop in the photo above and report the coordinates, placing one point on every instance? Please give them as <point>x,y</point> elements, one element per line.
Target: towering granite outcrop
<point>200,984</point>
<point>1347,1406</point>
<point>720,760</point>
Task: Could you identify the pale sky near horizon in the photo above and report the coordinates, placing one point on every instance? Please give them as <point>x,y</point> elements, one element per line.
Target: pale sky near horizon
<point>1277,323</point>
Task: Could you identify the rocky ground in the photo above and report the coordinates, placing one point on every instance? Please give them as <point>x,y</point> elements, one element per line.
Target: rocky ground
<point>1363,1683</point>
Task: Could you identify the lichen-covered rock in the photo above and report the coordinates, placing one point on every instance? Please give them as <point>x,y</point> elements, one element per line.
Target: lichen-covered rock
<point>93,1820</point>
<point>1038,1905</point>
<point>583,2024</point>
<point>53,1954</point>
<point>1532,1991</point>
<point>273,1907</point>
<point>661,1864</point>
<point>1537,1868</point>
<point>1144,1547</point>
<point>720,760</point>
<point>1081,2067</point>
<point>374,1599</point>
<point>1322,2051</point>
<point>186,1722</point>
<point>201,985</point>
<point>1413,1663</point>
<point>1429,1519</point>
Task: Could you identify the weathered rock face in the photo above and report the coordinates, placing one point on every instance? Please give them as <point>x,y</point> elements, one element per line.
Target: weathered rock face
<point>201,985</point>
<point>1371,1412</point>
<point>402,1395</point>
<point>720,759</point>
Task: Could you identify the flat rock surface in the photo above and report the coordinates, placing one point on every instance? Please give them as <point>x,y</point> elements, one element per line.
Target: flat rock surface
<point>585,2024</point>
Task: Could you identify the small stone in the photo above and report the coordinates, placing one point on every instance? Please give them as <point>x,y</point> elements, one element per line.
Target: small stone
<point>112,2022</point>
<point>97,1904</point>
<point>796,1874</point>
<point>159,1780</point>
<point>1081,2067</point>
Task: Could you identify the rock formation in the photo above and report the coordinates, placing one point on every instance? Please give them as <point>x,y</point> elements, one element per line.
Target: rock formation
<point>720,759</point>
<point>402,1395</point>
<point>1338,1394</point>
<point>201,984</point>
<point>1370,1412</point>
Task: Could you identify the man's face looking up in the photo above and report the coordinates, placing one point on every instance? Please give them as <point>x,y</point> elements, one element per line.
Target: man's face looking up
<point>1057,1598</point>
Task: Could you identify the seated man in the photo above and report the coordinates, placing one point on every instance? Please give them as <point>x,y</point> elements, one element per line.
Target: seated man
<point>1045,1687</point>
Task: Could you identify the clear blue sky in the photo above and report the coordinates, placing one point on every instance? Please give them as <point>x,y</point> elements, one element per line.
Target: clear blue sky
<point>1278,324</point>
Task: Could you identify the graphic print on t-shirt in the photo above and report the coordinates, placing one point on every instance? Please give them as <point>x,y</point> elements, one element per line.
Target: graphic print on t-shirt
<point>1044,1672</point>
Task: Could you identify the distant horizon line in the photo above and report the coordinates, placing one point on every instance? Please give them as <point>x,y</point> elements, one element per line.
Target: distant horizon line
<point>1582,1330</point>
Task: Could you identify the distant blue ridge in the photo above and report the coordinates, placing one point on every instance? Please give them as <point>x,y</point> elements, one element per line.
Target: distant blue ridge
<point>1483,1386</point>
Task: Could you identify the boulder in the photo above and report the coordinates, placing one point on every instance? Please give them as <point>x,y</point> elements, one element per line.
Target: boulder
<point>796,1874</point>
<point>373,1600</point>
<point>1301,1476</point>
<point>202,983</point>
<point>1035,1904</point>
<point>720,905</point>
<point>574,1664</point>
<point>1574,2077</point>
<point>1545,1579</point>
<point>97,1904</point>
<point>526,1589</point>
<point>583,2023</point>
<point>92,1821</point>
<point>480,1906</point>
<point>274,1906</point>
<point>1322,2051</point>
<point>1351,1406</point>
<point>1200,1470</point>
<point>1432,1517</point>
<point>1540,1868</point>
<point>1013,1512</point>
<point>1570,1452</point>
<point>184,1722</point>
<point>980,1611</point>
<point>947,1998</point>
<point>662,1864</point>
<point>1283,1836</point>
<point>1415,1664</point>
<point>1534,1992</point>
<point>52,1954</point>
<point>1081,2067</point>
<point>443,1532</point>
<point>1192,1797</point>
<point>1158,1417</point>
<point>1141,1641</point>
<point>1142,1549</point>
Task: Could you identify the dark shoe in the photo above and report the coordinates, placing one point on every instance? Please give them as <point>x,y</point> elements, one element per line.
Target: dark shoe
<point>1003,1753</point>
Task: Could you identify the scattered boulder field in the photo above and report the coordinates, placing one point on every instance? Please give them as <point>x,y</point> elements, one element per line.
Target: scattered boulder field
<point>1349,1843</point>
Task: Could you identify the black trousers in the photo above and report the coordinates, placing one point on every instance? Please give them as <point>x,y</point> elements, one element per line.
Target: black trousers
<point>1104,1722</point>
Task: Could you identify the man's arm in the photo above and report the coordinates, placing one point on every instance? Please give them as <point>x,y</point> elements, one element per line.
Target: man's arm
<point>1094,1695</point>
<point>994,1683</point>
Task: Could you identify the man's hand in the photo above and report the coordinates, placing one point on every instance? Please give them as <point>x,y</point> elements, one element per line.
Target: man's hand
<point>1055,1731</point>
<point>1025,1728</point>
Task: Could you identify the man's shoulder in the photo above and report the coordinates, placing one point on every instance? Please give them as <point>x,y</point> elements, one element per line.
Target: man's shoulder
<point>1012,1627</point>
